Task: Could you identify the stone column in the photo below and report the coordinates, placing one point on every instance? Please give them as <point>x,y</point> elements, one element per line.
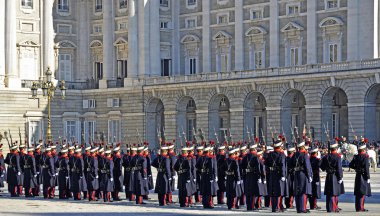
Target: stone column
<point>108,48</point>
<point>206,39</point>
<point>274,34</point>
<point>144,43</point>
<point>237,123</point>
<point>154,34</point>
<point>83,51</point>
<point>353,30</point>
<point>133,52</point>
<point>239,36</point>
<point>312,32</point>
<point>2,44</point>
<point>176,45</point>
<point>313,119</point>
<point>48,38</point>
<point>13,79</point>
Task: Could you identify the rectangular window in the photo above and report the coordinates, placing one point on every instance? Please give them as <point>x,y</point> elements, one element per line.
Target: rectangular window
<point>193,65</point>
<point>191,23</point>
<point>123,4</point>
<point>97,29</point>
<point>113,131</point>
<point>122,68</point>
<point>89,127</point>
<point>34,132</point>
<point>293,10</point>
<point>113,102</point>
<point>191,2</point>
<point>98,5</point>
<point>295,121</point>
<point>123,25</point>
<point>166,65</point>
<point>294,56</point>
<point>331,4</point>
<point>27,27</point>
<point>64,29</point>
<point>98,69</point>
<point>259,59</point>
<point>335,125</point>
<point>27,3</point>
<point>63,5</point>
<point>191,124</point>
<point>257,126</point>
<point>64,67</point>
<point>164,25</point>
<point>71,131</point>
<point>256,14</point>
<point>333,53</point>
<point>223,63</point>
<point>223,19</point>
<point>164,3</point>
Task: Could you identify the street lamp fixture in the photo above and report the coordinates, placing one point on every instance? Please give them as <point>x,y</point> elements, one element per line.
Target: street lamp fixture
<point>48,89</point>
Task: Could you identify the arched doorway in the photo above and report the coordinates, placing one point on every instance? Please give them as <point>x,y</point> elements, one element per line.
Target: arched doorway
<point>155,121</point>
<point>219,117</point>
<point>372,113</point>
<point>255,115</point>
<point>186,118</point>
<point>293,114</point>
<point>334,113</point>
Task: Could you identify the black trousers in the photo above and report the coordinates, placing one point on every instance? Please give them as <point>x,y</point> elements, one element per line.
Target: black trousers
<point>301,203</point>
<point>250,202</point>
<point>359,202</point>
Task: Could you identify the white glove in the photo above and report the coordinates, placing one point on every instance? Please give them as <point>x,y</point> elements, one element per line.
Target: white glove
<point>170,179</point>
<point>188,181</point>
<point>145,178</point>
<point>310,179</point>
<point>67,177</point>
<point>56,174</point>
<point>265,181</point>
<point>340,181</point>
<point>211,181</point>
<point>369,181</point>
<point>81,177</point>
<point>35,176</point>
<point>2,176</point>
<point>259,181</point>
<point>216,179</point>
<point>238,182</point>
<point>149,175</point>
<point>317,183</point>
<point>97,177</point>
<point>174,177</point>
<point>38,173</point>
<point>18,173</point>
<point>283,179</point>
<point>111,179</point>
<point>195,180</point>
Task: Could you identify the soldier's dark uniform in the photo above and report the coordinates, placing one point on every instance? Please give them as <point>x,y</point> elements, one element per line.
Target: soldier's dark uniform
<point>149,171</point>
<point>207,166</point>
<point>3,171</point>
<point>233,180</point>
<point>360,164</point>
<point>37,156</point>
<point>334,187</point>
<point>198,156</point>
<point>316,183</point>
<point>242,173</point>
<point>14,169</point>
<point>140,176</point>
<point>78,180</point>
<point>30,173</point>
<point>173,158</point>
<point>118,175</point>
<point>48,173</point>
<point>300,163</point>
<point>290,180</point>
<point>221,158</point>
<point>85,156</point>
<point>183,169</point>
<point>55,157</point>
<point>92,176</point>
<point>263,186</point>
<point>276,177</point>
<point>162,163</point>
<point>63,169</point>
<point>106,181</point>
<point>127,175</point>
<point>193,162</point>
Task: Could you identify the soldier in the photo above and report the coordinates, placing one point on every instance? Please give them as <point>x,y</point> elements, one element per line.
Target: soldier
<point>164,176</point>
<point>316,183</point>
<point>22,154</point>
<point>87,154</point>
<point>290,179</point>
<point>38,158</point>
<point>233,179</point>
<point>48,173</point>
<point>193,161</point>
<point>360,164</point>
<point>78,180</point>
<point>275,163</point>
<point>106,183</point>
<point>334,187</point>
<point>208,169</point>
<point>220,159</point>
<point>198,156</point>
<point>149,169</point>
<point>117,174</point>
<point>173,158</point>
<point>30,173</point>
<point>56,157</point>
<point>128,178</point>
<point>183,168</point>
<point>63,169</point>
<point>100,156</point>
<point>14,170</point>
<point>240,155</point>
<point>3,171</point>
<point>140,175</point>
<point>92,176</point>
<point>253,179</point>
<point>263,186</point>
<point>303,177</point>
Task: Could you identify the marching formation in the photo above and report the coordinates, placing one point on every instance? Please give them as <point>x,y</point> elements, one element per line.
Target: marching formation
<point>252,174</point>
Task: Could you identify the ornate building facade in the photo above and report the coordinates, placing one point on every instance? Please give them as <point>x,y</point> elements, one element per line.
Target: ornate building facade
<point>139,68</point>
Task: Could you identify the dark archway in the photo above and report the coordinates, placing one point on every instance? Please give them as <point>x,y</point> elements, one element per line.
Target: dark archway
<point>155,121</point>
<point>219,117</point>
<point>293,114</point>
<point>186,117</point>
<point>255,115</point>
<point>372,113</point>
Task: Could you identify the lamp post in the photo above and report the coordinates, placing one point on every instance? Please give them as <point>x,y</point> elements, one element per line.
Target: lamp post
<point>48,89</point>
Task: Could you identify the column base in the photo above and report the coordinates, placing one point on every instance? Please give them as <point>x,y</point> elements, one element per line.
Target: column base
<point>103,84</point>
<point>13,83</point>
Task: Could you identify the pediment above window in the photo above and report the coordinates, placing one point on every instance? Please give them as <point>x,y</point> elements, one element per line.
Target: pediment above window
<point>330,22</point>
<point>190,39</point>
<point>65,44</point>
<point>120,41</point>
<point>256,30</point>
<point>28,44</point>
<point>96,43</point>
<point>292,26</point>
<point>221,35</point>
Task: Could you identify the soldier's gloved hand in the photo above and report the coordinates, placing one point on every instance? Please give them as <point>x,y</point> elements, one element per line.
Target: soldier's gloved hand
<point>216,179</point>
<point>340,181</point>
<point>188,181</point>
<point>211,181</point>
<point>368,181</point>
<point>195,180</point>
<point>265,181</point>
<point>111,179</point>
<point>310,179</point>
<point>145,178</point>
<point>317,183</point>
<point>18,173</point>
<point>56,174</point>
<point>67,177</point>
<point>2,176</point>
<point>35,176</point>
<point>97,177</point>
<point>238,182</point>
<point>170,179</point>
<point>149,175</point>
<point>174,177</point>
<point>283,179</point>
<point>38,173</point>
<point>81,177</point>
<point>259,181</point>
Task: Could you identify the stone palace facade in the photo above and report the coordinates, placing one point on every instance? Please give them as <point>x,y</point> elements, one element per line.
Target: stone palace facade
<point>139,68</point>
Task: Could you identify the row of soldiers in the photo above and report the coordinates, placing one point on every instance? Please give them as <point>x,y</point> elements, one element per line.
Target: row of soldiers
<point>247,175</point>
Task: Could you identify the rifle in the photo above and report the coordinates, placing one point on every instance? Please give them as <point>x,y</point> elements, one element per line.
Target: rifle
<point>19,135</point>
<point>249,136</point>
<point>194,135</point>
<point>184,135</point>
<point>352,129</point>
<point>216,137</point>
<point>138,136</point>
<point>10,136</point>
<point>328,136</point>
<point>180,138</point>
<point>159,137</point>
<point>263,136</point>
<point>294,138</point>
<point>6,137</point>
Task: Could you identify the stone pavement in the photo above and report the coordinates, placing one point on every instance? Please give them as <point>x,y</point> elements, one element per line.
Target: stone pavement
<point>39,206</point>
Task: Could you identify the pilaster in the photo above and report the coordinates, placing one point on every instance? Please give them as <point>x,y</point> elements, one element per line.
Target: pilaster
<point>239,40</point>
<point>206,42</point>
<point>274,34</point>
<point>13,79</point>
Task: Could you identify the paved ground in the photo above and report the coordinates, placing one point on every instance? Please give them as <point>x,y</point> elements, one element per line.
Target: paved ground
<point>39,206</point>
